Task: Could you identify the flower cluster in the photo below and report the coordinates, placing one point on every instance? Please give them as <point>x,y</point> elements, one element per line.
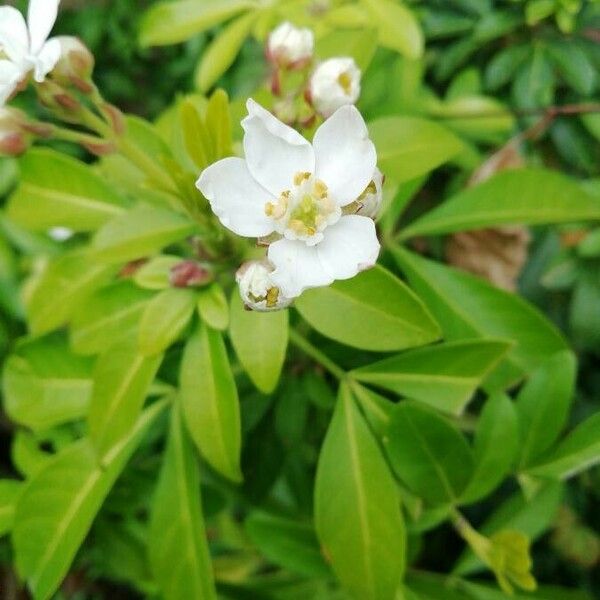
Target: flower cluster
<point>329,85</point>
<point>312,204</point>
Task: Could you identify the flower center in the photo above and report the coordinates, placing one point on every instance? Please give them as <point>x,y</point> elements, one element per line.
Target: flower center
<point>303,212</point>
<point>345,81</point>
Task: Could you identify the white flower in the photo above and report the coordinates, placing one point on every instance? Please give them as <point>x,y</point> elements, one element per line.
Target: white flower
<point>289,46</point>
<point>335,83</point>
<point>75,59</point>
<point>288,186</point>
<point>369,202</point>
<point>257,289</point>
<point>23,46</point>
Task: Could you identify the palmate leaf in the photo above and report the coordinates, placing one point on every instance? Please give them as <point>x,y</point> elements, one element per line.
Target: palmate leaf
<point>58,505</point>
<point>177,525</point>
<point>357,507</point>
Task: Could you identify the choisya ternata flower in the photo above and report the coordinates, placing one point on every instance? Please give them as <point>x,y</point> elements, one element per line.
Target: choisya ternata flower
<point>257,289</point>
<point>296,189</point>
<point>369,202</point>
<point>289,46</point>
<point>334,83</point>
<point>24,46</point>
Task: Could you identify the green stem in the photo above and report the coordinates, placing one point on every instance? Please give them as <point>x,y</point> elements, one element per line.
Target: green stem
<point>69,135</point>
<point>478,543</point>
<point>303,344</point>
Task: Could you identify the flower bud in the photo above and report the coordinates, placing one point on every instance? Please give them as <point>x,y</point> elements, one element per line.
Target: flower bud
<point>290,47</point>
<point>14,140</point>
<point>189,273</point>
<point>257,289</point>
<point>334,83</point>
<point>75,65</point>
<point>369,202</point>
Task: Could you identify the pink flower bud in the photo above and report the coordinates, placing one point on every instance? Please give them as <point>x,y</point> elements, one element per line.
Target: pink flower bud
<point>76,62</point>
<point>14,140</point>
<point>189,273</point>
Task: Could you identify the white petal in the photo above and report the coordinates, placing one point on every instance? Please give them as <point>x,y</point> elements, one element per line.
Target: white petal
<point>10,75</point>
<point>236,198</point>
<point>274,152</point>
<point>349,246</point>
<point>345,156</point>
<point>297,267</point>
<point>47,58</point>
<point>41,17</point>
<point>14,39</point>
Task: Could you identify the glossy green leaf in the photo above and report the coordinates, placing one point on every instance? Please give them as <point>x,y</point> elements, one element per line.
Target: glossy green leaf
<point>10,490</point>
<point>173,22</point>
<point>155,274</point>
<point>408,147</point>
<point>260,342</point>
<point>57,190</point>
<point>45,384</point>
<point>502,67</point>
<point>210,401</point>
<point>109,315</point>
<point>468,307</point>
<point>543,405</point>
<point>140,232</point>
<point>164,318</point>
<point>221,53</point>
<point>574,65</point>
<point>195,135</point>
<point>177,523</point>
<point>357,507</point>
<point>122,378</point>
<point>428,453</point>
<point>213,307</point>
<point>57,507</point>
<point>496,443</point>
<point>290,544</point>
<point>444,376</point>
<point>533,85</point>
<point>218,121</point>
<point>360,44</point>
<point>529,196</point>
<point>372,311</point>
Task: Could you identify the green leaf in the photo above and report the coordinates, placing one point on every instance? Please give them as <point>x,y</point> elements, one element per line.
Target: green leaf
<point>357,507</point>
<point>428,453</point>
<point>44,384</point>
<point>398,28</point>
<point>210,401</point>
<point>177,525</point>
<point>529,196</point>
<point>195,134</point>
<point>156,273</point>
<point>62,287</point>
<point>408,147</point>
<point>580,450</point>
<point>501,69</point>
<point>444,376</point>
<point>372,311</point>
<point>122,378</point>
<point>10,490</point>
<point>289,544</point>
<point>533,86</point>
<point>221,53</point>
<point>57,507</point>
<point>531,517</point>
<point>213,307</point>
<point>574,65</point>
<point>468,307</point>
<point>360,44</point>
<point>57,190</point>
<point>140,232</point>
<point>260,342</point>
<point>109,315</point>
<point>496,443</point>
<point>173,22</point>
<point>164,318</point>
<point>543,405</point>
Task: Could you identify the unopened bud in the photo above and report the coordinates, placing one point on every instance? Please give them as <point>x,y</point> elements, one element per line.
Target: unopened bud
<point>57,99</point>
<point>257,290</point>
<point>100,148</point>
<point>115,116</point>
<point>334,83</point>
<point>14,140</point>
<point>369,202</point>
<point>289,47</point>
<point>189,273</point>
<point>75,65</point>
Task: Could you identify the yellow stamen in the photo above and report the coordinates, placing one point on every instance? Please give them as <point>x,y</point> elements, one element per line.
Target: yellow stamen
<point>300,177</point>
<point>345,81</point>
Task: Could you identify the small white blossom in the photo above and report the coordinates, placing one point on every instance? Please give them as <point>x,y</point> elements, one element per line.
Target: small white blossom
<point>257,289</point>
<point>288,186</point>
<point>75,59</point>
<point>289,46</point>
<point>23,46</point>
<point>335,83</point>
<point>369,201</point>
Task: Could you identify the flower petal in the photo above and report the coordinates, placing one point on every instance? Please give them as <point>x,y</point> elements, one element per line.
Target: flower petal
<point>41,17</point>
<point>10,76</point>
<point>236,198</point>
<point>47,58</point>
<point>345,156</point>
<point>274,151</point>
<point>297,267</point>
<point>14,39</point>
<point>349,246</point>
